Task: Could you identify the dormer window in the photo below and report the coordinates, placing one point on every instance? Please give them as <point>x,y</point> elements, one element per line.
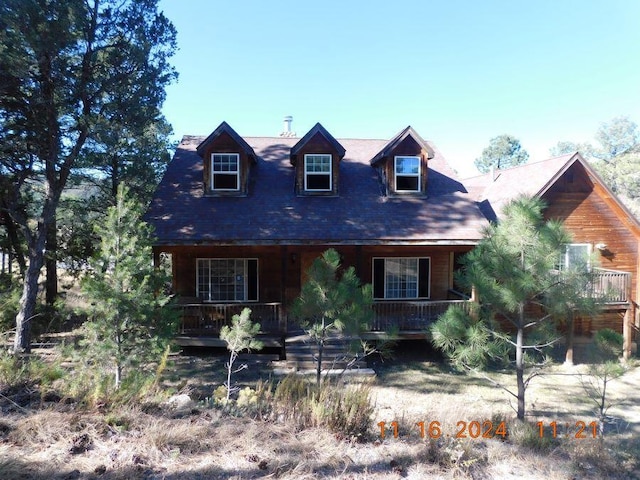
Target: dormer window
<point>227,163</point>
<point>316,158</point>
<point>407,175</point>
<point>225,171</point>
<point>317,172</point>
<point>402,164</point>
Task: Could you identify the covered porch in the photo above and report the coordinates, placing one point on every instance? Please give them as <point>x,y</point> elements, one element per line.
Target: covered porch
<point>199,319</point>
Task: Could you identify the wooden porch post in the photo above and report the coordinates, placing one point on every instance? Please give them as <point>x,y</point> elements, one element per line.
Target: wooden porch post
<point>627,331</point>
<point>474,298</point>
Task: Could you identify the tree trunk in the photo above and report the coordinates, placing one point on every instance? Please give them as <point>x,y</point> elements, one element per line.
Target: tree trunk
<point>51,288</point>
<point>520,364</point>
<point>568,359</point>
<point>28,300</point>
<point>319,366</point>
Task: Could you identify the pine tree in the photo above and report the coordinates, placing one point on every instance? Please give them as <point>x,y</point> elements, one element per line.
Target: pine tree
<point>240,336</point>
<point>332,304</point>
<point>130,321</point>
<point>504,151</point>
<point>523,295</point>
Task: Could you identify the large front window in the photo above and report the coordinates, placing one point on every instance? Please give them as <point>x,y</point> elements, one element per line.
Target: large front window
<point>317,172</point>
<point>225,171</point>
<point>407,170</point>
<point>401,278</point>
<point>227,279</point>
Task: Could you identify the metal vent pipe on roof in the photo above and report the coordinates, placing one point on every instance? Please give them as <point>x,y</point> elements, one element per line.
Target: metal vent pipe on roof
<point>287,127</point>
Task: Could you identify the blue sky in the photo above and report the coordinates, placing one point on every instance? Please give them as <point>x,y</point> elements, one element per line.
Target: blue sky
<point>459,72</point>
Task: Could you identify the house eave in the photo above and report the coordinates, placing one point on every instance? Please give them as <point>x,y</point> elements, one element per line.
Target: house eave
<point>304,242</point>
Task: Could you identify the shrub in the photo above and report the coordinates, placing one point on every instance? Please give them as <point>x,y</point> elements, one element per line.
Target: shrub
<point>345,410</point>
<point>527,435</point>
<point>607,345</point>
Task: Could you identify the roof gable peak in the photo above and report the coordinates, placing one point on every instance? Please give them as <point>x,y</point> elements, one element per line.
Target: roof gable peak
<point>398,139</point>
<point>224,127</point>
<point>316,129</point>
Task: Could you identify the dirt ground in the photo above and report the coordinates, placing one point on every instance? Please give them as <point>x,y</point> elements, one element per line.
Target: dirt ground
<point>57,441</point>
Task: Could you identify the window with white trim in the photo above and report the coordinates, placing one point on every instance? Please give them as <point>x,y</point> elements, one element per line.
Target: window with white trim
<point>227,279</point>
<point>317,172</point>
<point>407,174</point>
<point>574,256</point>
<point>225,171</point>
<point>401,278</point>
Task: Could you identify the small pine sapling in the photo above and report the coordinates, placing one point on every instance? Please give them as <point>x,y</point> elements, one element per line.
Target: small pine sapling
<point>239,336</point>
<point>130,323</point>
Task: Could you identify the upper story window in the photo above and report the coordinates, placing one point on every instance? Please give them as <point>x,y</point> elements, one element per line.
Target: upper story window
<point>225,171</point>
<point>407,174</point>
<point>575,255</point>
<point>317,172</point>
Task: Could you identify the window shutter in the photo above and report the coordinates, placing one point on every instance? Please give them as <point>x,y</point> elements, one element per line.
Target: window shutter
<point>252,280</point>
<point>378,278</point>
<point>423,277</point>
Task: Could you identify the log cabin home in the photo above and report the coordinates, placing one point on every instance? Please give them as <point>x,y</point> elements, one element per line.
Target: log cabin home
<point>242,218</point>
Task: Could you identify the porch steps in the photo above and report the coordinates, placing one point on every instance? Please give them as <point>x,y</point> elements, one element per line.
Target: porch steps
<point>301,354</point>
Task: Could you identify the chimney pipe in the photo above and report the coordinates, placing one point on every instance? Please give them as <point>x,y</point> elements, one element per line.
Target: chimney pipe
<point>287,127</point>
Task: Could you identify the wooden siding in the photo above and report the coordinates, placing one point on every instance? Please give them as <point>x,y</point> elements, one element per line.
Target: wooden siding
<point>318,144</point>
<point>590,218</point>
<point>225,144</point>
<point>281,269</point>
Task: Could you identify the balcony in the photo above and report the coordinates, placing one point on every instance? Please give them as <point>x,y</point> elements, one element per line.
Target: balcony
<point>611,286</point>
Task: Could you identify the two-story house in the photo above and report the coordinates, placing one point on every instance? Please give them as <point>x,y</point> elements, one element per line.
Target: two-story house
<point>242,218</point>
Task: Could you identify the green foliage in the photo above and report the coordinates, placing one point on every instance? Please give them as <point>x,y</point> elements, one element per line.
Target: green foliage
<point>131,323</point>
<point>469,341</point>
<point>331,303</point>
<point>604,367</point>
<point>83,73</point>
<point>527,435</point>
<point>607,345</point>
<point>9,302</point>
<point>514,272</point>
<point>239,336</point>
<point>504,151</point>
<point>18,373</point>
<point>615,156</point>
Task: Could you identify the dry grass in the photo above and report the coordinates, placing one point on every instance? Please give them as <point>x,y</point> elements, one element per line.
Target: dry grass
<point>59,441</point>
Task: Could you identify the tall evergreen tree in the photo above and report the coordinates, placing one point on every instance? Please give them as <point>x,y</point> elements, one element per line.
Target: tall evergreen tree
<point>130,323</point>
<point>523,296</point>
<point>67,67</point>
<point>504,151</point>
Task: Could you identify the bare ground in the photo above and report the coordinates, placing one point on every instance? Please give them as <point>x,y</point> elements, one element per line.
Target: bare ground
<point>58,441</point>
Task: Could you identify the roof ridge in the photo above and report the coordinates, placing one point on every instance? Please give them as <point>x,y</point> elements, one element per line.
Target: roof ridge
<point>528,164</point>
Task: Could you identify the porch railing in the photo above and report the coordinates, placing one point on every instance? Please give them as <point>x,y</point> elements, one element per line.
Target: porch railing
<point>611,286</point>
<point>411,316</point>
<point>208,318</point>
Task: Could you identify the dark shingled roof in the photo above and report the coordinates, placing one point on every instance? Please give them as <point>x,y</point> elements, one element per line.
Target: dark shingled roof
<point>272,213</point>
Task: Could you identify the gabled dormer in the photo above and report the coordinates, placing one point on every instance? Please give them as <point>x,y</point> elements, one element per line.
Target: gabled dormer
<point>402,164</point>
<point>227,161</point>
<point>316,158</point>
